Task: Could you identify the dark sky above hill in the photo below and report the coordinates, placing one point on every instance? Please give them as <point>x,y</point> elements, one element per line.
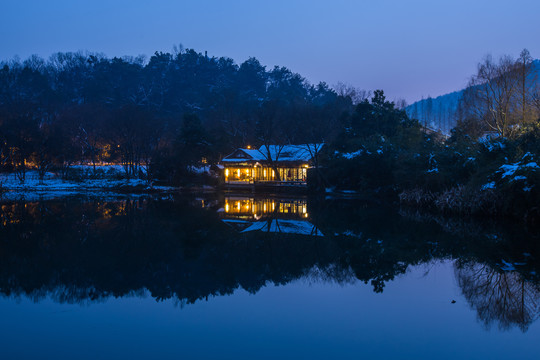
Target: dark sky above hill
<point>408,48</point>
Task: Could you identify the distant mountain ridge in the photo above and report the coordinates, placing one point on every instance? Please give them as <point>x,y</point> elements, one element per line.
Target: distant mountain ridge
<point>440,113</point>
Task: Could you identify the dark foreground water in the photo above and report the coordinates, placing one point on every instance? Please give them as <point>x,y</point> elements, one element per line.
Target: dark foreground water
<point>261,278</point>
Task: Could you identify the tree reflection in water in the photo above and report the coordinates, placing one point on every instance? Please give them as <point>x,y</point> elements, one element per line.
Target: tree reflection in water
<point>501,297</point>
<point>186,249</point>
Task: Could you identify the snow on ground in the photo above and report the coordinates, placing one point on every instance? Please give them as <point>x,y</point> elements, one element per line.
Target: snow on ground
<point>53,182</point>
<point>492,145</point>
<point>53,186</point>
<point>201,169</point>
<point>489,185</point>
<point>506,266</point>
<point>509,170</point>
<point>349,156</point>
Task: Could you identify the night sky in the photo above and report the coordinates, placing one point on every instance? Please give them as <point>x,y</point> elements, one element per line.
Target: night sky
<point>409,48</point>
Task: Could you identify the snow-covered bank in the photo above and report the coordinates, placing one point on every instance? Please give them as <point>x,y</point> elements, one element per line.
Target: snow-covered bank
<point>53,186</point>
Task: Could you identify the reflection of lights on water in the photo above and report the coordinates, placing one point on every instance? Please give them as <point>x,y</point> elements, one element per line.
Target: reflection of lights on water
<point>260,207</point>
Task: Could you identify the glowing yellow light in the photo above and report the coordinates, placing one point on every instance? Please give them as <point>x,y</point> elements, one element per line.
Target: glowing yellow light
<point>226,172</point>
<point>264,207</point>
<point>238,172</point>
<point>249,147</point>
<point>273,174</point>
<point>238,205</point>
<point>264,172</point>
<point>304,209</point>
<point>273,206</point>
<point>226,207</point>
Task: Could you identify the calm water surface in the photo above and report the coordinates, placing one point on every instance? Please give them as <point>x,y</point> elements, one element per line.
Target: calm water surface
<point>242,277</point>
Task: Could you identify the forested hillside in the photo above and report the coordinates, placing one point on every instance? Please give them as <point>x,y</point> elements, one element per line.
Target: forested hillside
<point>176,107</point>
<point>442,112</point>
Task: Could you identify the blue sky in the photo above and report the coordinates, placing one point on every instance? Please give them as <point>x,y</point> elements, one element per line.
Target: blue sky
<point>408,48</point>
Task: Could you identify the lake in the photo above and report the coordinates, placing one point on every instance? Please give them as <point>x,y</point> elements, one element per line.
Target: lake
<point>252,277</point>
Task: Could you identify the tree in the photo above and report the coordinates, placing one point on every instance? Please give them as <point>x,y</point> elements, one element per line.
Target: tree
<point>356,95</point>
<point>527,79</point>
<point>501,94</point>
<point>498,296</point>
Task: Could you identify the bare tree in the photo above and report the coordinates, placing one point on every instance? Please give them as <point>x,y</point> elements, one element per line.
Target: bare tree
<point>401,104</point>
<point>501,297</point>
<point>492,95</point>
<point>527,78</point>
<point>355,94</point>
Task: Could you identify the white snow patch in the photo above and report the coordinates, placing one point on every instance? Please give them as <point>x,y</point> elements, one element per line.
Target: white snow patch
<point>200,169</point>
<point>489,185</point>
<point>507,266</point>
<point>509,170</point>
<point>352,155</point>
<point>490,146</point>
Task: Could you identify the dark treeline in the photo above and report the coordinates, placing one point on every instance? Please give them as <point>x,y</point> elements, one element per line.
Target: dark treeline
<point>168,113</point>
<point>487,166</point>
<point>83,251</point>
<point>163,118</point>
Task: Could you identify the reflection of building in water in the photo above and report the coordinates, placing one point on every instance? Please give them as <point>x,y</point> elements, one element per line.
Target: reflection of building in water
<point>268,215</point>
<point>247,208</point>
<point>503,297</point>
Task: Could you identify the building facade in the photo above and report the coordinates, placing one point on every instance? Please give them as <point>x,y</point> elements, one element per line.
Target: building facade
<point>270,165</point>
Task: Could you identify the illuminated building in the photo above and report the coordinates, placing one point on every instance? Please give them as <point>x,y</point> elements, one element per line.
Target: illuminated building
<point>270,165</point>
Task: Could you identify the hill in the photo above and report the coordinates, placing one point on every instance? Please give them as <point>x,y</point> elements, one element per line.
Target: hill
<point>440,112</point>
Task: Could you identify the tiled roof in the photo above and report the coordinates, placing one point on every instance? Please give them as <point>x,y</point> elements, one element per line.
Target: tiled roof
<point>274,153</point>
